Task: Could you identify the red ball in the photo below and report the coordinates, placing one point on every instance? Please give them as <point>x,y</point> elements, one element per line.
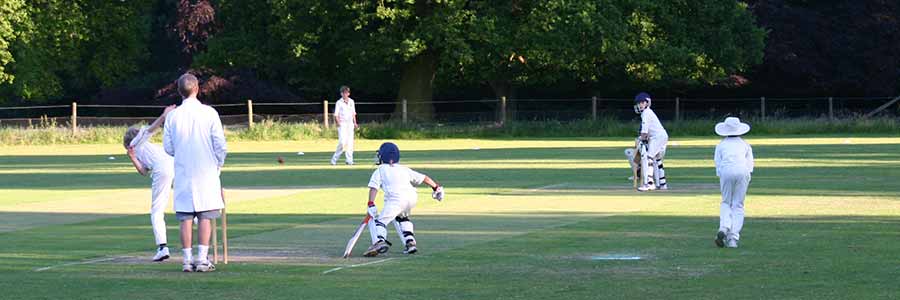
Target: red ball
<point>280,160</point>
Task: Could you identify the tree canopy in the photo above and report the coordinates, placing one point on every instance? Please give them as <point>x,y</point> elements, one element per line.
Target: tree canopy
<point>403,49</point>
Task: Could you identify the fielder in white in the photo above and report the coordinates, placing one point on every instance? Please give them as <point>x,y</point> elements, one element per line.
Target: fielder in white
<point>398,183</point>
<point>734,164</point>
<point>149,158</point>
<point>194,136</point>
<point>652,133</point>
<point>345,119</point>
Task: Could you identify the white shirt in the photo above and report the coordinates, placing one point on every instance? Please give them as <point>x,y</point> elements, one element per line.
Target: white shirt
<point>151,156</point>
<point>650,124</point>
<point>344,111</point>
<point>193,134</point>
<point>397,181</point>
<point>733,154</point>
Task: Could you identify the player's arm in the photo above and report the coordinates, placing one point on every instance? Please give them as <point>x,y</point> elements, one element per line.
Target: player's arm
<point>337,110</point>
<point>159,121</point>
<point>355,125</point>
<point>372,210</point>
<point>137,164</point>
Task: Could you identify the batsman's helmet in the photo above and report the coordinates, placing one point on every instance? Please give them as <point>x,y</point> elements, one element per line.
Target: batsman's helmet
<point>388,153</point>
<point>641,98</point>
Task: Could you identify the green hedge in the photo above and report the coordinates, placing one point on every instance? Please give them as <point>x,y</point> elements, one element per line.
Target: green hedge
<point>48,133</point>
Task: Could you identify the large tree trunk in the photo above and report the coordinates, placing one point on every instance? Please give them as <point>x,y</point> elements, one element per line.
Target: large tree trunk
<point>416,86</point>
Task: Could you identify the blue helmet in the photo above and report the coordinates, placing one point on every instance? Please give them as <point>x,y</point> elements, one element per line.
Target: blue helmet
<point>641,97</point>
<point>388,153</point>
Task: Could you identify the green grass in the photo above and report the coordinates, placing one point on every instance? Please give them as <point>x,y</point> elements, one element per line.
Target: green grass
<point>522,220</point>
<point>49,133</point>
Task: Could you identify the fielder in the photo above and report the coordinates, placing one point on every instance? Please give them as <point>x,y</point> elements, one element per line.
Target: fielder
<point>149,158</point>
<point>398,183</point>
<point>656,138</point>
<point>345,119</point>
<point>193,134</point>
<point>734,164</point>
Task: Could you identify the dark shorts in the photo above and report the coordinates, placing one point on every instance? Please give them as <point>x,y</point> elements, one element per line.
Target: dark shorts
<point>209,214</point>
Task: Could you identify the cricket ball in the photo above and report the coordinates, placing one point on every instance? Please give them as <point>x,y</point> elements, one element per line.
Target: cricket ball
<point>280,160</point>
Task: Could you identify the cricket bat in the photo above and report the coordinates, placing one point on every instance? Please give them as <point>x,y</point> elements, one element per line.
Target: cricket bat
<point>355,237</point>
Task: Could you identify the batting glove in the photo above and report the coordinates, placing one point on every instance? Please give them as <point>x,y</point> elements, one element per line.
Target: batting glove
<point>438,193</point>
<point>373,211</point>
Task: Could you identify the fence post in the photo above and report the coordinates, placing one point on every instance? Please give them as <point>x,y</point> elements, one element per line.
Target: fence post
<point>762,108</point>
<point>677,109</point>
<point>404,111</point>
<point>74,117</point>
<point>594,108</point>
<point>831,108</point>
<point>249,113</point>
<point>503,110</point>
<point>325,113</point>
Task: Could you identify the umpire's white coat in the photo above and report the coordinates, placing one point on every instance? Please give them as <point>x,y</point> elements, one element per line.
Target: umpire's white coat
<point>194,136</point>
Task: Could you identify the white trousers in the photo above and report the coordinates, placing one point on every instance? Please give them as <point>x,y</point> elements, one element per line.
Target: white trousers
<point>731,213</point>
<point>161,192</point>
<point>345,143</point>
<point>397,212</point>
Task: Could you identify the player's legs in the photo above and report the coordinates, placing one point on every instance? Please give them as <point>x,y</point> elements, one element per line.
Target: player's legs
<point>726,184</point>
<point>657,149</point>
<point>338,151</point>
<point>406,230</point>
<point>379,235</point>
<point>347,136</point>
<point>187,230</point>
<point>741,183</point>
<point>161,190</point>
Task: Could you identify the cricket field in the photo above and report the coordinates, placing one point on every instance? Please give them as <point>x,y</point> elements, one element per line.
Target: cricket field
<point>522,219</point>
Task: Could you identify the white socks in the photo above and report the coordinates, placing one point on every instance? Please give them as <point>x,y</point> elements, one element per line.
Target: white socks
<point>202,252</point>
<point>188,258</point>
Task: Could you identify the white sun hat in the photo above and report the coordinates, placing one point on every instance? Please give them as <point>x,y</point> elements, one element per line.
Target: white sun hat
<point>732,126</point>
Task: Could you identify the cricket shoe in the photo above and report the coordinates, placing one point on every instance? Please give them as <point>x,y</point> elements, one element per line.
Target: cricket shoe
<point>188,267</point>
<point>646,187</point>
<point>663,187</point>
<point>720,239</point>
<point>333,162</point>
<point>161,254</point>
<point>205,266</point>
<point>376,248</point>
<point>410,248</point>
<point>732,243</point>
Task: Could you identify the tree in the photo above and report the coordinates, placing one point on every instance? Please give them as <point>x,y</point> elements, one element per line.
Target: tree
<point>12,16</point>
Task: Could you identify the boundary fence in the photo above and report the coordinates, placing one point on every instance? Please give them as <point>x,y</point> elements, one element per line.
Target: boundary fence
<point>497,111</point>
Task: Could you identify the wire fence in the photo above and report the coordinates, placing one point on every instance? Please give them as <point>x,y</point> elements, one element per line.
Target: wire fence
<point>469,111</point>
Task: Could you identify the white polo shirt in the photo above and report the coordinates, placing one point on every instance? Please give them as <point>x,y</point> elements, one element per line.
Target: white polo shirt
<point>344,111</point>
<point>397,181</point>
<point>650,124</point>
<point>733,155</point>
<point>151,156</point>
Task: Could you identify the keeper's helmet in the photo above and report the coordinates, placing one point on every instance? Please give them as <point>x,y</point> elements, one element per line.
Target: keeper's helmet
<point>641,98</point>
<point>388,153</point>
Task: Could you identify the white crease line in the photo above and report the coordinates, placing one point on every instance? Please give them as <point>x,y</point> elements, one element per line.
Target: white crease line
<point>358,265</point>
<point>78,263</point>
<point>547,187</point>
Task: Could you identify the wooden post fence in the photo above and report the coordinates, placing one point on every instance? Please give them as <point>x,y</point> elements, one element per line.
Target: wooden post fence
<point>677,109</point>
<point>594,108</point>
<point>404,112</point>
<point>249,113</point>
<point>831,108</point>
<point>503,110</point>
<point>325,113</point>
<point>74,117</point>
<point>762,108</point>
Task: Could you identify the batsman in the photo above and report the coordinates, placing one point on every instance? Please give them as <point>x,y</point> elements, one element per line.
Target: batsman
<point>399,185</point>
<point>652,146</point>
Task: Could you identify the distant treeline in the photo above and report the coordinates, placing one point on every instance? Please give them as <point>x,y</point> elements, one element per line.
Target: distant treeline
<point>122,52</point>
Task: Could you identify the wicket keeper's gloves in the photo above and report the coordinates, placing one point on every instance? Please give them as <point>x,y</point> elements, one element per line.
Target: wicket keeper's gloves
<point>373,211</point>
<point>438,193</point>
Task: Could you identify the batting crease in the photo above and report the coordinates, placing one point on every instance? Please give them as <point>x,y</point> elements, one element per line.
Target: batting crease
<point>358,265</point>
<point>79,263</point>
